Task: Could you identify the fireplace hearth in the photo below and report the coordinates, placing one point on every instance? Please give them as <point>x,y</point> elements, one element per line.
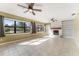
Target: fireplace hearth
<point>56,32</point>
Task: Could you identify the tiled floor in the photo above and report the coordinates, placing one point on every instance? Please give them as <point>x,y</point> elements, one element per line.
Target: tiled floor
<point>45,46</point>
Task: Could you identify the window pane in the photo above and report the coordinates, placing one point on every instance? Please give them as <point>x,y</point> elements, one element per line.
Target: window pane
<point>9,26</point>
<point>19,27</point>
<point>40,28</point>
<point>28,27</point>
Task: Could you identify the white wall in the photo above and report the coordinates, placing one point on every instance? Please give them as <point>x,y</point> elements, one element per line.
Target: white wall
<point>56,24</point>
<point>76,28</point>
<point>48,30</point>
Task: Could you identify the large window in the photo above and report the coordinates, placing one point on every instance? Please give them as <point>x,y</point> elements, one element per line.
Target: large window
<point>9,26</point>
<point>14,26</point>
<point>28,27</point>
<point>19,27</point>
<point>40,28</point>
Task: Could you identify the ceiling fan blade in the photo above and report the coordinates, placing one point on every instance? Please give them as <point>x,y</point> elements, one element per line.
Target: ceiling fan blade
<point>26,11</point>
<point>37,4</point>
<point>33,13</point>
<point>21,6</point>
<point>37,10</point>
<point>27,3</point>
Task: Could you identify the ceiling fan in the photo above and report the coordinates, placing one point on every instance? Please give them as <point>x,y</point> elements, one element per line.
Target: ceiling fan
<point>73,14</point>
<point>30,7</point>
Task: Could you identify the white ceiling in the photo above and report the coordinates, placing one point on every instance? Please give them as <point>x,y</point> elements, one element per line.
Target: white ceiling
<point>60,11</point>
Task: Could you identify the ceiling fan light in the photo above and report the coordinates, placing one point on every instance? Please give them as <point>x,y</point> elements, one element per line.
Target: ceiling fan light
<point>30,10</point>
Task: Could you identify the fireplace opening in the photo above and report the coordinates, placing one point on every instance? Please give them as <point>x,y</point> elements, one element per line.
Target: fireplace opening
<point>56,32</point>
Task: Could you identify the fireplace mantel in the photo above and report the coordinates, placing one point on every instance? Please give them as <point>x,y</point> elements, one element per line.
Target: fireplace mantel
<point>56,28</point>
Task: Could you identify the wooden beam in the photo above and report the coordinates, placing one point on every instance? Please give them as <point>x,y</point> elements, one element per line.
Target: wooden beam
<point>33,27</point>
<point>14,26</point>
<point>1,26</point>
